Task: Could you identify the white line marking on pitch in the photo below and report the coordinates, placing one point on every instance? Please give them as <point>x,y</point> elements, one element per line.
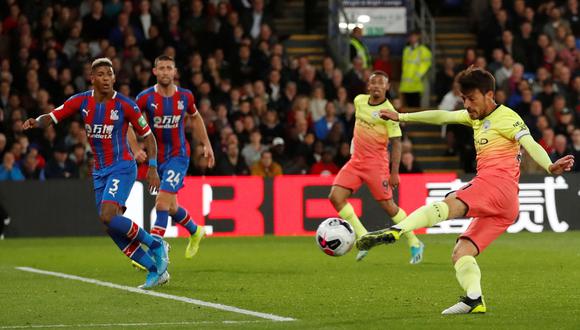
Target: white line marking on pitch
<point>108,325</point>
<point>227,308</point>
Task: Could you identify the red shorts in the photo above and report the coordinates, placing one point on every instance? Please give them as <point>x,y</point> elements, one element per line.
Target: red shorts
<point>494,206</point>
<point>353,174</point>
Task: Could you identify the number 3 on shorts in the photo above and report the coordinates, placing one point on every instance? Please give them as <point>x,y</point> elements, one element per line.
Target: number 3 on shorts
<point>113,190</point>
<point>173,178</point>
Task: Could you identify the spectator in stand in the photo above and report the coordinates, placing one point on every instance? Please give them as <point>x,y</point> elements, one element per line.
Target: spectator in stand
<point>496,60</point>
<point>444,78</point>
<point>503,73</point>
<point>253,150</point>
<point>556,21</point>
<point>408,164</point>
<point>9,170</point>
<point>266,167</point>
<point>323,126</point>
<point>547,140</point>
<point>31,168</point>
<point>383,61</point>
<point>60,167</point>
<point>560,147</point>
<point>325,166</point>
<point>231,162</point>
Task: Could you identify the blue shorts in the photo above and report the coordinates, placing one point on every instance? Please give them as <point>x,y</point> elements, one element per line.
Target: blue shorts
<point>113,183</point>
<point>172,172</point>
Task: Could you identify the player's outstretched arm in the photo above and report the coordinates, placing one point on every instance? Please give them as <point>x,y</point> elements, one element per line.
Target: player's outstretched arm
<point>41,121</point>
<point>540,156</point>
<point>201,136</point>
<point>433,117</point>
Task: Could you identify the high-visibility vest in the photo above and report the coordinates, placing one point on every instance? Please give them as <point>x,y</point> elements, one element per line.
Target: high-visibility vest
<point>416,63</point>
<point>361,51</point>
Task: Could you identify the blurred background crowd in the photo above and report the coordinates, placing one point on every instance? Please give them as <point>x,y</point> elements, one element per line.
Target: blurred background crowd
<point>267,113</point>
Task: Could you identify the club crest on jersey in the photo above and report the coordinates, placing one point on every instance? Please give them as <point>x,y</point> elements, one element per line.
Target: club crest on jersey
<point>375,114</point>
<point>486,124</point>
<point>180,105</point>
<point>114,114</point>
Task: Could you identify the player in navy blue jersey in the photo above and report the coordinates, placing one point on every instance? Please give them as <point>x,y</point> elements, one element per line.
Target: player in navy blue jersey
<point>166,107</point>
<point>107,115</point>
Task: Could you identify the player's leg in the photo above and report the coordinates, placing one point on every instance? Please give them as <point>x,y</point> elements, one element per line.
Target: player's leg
<point>425,216</point>
<point>338,197</point>
<point>469,277</point>
<point>347,181</point>
<point>397,214</point>
<point>196,233</point>
<point>130,248</point>
<point>162,204</point>
<point>116,191</point>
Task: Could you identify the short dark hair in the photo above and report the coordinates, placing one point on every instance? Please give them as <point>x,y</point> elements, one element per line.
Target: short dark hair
<point>99,62</point>
<point>380,73</point>
<point>163,58</point>
<point>474,78</point>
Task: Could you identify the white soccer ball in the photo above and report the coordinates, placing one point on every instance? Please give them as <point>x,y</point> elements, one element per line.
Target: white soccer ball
<point>335,237</point>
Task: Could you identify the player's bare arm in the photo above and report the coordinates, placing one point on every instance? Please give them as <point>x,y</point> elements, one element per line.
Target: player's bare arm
<point>139,154</point>
<point>152,176</point>
<point>200,135</point>
<point>396,149</point>
<point>41,121</point>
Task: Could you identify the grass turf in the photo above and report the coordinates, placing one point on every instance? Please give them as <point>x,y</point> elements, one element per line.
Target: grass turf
<point>529,281</point>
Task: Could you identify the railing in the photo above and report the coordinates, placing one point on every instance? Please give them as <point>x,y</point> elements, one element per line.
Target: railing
<point>338,41</point>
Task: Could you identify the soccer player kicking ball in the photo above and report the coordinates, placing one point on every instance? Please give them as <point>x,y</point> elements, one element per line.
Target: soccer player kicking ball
<point>107,115</point>
<point>370,162</point>
<point>491,198</point>
<point>166,107</point>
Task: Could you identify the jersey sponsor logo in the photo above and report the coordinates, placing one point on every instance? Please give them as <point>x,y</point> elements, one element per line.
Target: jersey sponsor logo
<point>99,131</point>
<point>364,123</point>
<point>180,105</point>
<point>169,121</point>
<point>114,114</point>
<point>482,141</point>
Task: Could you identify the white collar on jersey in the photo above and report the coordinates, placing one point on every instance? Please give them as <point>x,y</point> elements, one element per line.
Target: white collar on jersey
<point>93,94</point>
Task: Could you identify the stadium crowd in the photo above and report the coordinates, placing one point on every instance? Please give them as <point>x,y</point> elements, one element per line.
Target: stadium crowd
<point>532,48</point>
<point>266,113</point>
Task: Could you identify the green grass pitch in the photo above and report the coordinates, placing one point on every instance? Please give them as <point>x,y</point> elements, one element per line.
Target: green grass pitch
<point>530,281</point>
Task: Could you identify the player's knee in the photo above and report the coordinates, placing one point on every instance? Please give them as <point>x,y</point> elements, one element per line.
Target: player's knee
<point>391,208</point>
<point>336,201</point>
<point>106,215</point>
<point>463,248</point>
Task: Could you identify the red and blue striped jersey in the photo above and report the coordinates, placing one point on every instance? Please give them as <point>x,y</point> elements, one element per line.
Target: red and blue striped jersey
<point>106,124</point>
<point>166,117</point>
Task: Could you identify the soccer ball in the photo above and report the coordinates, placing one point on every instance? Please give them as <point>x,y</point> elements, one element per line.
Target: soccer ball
<point>335,237</point>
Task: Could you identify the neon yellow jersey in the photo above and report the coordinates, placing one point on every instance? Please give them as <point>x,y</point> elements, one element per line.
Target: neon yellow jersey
<point>496,137</point>
<point>371,133</point>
